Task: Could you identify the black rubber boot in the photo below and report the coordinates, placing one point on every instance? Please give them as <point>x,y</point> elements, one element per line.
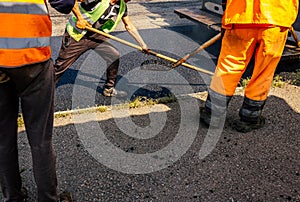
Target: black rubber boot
<point>214,112</point>
<point>245,127</point>
<point>250,116</point>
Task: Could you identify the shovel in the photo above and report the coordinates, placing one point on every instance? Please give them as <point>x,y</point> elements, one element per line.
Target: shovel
<point>150,51</point>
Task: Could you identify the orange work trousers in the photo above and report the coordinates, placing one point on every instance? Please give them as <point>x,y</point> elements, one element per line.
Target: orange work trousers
<point>266,44</point>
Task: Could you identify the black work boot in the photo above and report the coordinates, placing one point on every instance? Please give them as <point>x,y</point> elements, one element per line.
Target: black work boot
<point>250,116</point>
<point>246,126</point>
<point>214,112</point>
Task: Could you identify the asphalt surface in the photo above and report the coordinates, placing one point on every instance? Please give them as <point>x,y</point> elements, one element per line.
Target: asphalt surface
<point>165,154</point>
<point>258,166</point>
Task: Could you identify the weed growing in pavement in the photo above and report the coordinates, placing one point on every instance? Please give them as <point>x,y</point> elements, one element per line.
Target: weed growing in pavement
<point>297,80</point>
<point>277,81</point>
<point>294,78</point>
<point>136,103</point>
<point>140,101</point>
<point>167,99</point>
<point>20,120</point>
<point>244,82</point>
<point>61,115</point>
<point>102,108</point>
<point>144,101</point>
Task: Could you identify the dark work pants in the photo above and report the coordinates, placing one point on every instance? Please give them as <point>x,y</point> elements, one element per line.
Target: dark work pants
<point>71,50</point>
<point>34,86</point>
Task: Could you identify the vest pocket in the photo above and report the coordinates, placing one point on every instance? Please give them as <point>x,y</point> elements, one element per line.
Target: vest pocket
<point>108,25</point>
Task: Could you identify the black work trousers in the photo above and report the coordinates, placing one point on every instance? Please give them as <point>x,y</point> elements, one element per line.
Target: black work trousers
<point>71,50</point>
<point>33,87</point>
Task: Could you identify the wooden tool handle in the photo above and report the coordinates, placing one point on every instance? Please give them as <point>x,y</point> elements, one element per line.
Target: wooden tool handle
<point>150,51</point>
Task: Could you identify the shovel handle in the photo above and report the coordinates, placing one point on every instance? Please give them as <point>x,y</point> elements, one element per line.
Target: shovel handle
<point>295,36</point>
<point>114,38</point>
<point>194,52</point>
<point>150,51</point>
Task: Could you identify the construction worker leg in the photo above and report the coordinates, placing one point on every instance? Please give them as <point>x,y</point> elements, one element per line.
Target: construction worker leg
<point>10,179</point>
<point>236,51</point>
<point>268,53</point>
<point>111,55</point>
<point>250,116</point>
<point>38,108</point>
<point>69,52</point>
<point>215,109</point>
<point>267,56</point>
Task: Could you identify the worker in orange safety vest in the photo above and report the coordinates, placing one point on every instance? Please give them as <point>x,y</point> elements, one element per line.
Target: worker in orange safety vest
<point>27,77</point>
<point>256,28</point>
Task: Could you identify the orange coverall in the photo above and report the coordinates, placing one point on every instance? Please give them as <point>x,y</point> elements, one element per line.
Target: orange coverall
<point>253,27</point>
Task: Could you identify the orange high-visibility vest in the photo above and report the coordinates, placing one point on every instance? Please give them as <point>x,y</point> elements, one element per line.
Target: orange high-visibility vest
<point>25,31</point>
<point>269,12</point>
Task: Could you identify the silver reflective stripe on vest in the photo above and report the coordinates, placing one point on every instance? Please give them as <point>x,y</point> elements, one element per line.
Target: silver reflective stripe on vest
<point>84,17</point>
<point>19,43</point>
<point>23,8</point>
<point>87,18</point>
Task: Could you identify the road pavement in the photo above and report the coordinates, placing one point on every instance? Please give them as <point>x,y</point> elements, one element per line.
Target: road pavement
<point>162,152</point>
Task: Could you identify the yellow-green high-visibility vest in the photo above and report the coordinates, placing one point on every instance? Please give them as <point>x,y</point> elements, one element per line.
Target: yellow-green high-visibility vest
<point>92,17</point>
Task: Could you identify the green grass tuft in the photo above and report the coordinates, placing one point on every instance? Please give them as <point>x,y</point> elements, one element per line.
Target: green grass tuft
<point>277,81</point>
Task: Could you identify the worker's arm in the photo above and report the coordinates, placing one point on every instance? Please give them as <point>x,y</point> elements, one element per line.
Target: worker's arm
<point>81,22</point>
<point>62,6</point>
<point>134,33</point>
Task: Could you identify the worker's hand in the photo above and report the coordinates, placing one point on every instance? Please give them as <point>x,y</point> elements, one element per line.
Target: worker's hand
<point>82,23</point>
